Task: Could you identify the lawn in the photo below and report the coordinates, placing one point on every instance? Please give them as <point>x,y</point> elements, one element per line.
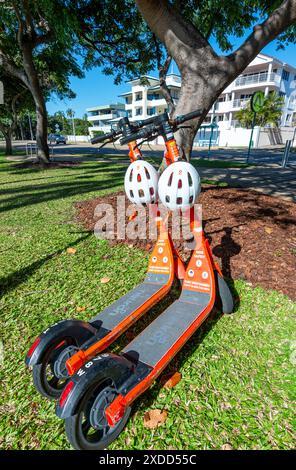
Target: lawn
<point>237,371</point>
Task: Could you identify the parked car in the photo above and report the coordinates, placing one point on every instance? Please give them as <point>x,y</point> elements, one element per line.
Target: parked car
<point>57,139</point>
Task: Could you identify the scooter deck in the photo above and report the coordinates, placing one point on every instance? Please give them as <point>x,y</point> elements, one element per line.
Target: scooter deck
<point>116,318</point>
<point>150,346</point>
<point>122,308</point>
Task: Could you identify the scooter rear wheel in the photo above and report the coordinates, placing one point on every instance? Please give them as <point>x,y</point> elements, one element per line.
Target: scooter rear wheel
<point>50,376</point>
<point>88,429</point>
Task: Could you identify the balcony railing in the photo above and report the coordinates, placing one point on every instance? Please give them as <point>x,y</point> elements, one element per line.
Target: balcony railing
<point>239,103</point>
<point>257,78</point>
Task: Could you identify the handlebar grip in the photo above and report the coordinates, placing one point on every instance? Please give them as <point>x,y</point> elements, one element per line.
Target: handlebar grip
<point>145,122</point>
<point>141,134</point>
<point>187,117</point>
<point>102,138</point>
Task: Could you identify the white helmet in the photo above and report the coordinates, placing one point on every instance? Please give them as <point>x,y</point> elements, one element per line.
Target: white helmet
<point>140,183</point>
<point>179,186</point>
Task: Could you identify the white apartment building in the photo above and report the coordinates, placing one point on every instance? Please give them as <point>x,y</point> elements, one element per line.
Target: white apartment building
<point>146,100</point>
<point>101,117</point>
<point>264,73</point>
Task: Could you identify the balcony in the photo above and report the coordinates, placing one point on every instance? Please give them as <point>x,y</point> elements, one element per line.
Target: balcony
<point>156,102</point>
<point>102,117</point>
<point>239,103</point>
<point>258,79</point>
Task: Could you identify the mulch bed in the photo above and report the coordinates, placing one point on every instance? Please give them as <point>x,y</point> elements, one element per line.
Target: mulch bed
<point>253,236</point>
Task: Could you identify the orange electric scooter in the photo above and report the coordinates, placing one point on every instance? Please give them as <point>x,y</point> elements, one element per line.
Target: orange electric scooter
<point>58,343</point>
<point>97,399</point>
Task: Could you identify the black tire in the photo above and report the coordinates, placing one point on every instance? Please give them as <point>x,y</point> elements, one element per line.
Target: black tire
<point>78,426</point>
<point>44,378</point>
<point>224,295</point>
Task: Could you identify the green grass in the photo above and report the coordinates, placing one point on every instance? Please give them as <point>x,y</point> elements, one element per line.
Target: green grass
<point>237,370</point>
<point>212,163</point>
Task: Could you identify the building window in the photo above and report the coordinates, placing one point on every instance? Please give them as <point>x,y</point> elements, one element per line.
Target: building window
<point>138,96</point>
<point>138,111</point>
<point>151,111</point>
<point>286,75</point>
<point>175,94</point>
<point>129,113</point>
<point>153,96</point>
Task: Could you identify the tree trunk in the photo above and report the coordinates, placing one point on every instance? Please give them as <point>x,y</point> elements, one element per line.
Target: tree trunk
<point>41,130</point>
<point>8,143</point>
<point>41,113</point>
<point>198,91</point>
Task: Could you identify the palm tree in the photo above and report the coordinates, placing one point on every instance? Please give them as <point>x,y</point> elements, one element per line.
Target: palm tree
<point>71,113</point>
<point>270,112</point>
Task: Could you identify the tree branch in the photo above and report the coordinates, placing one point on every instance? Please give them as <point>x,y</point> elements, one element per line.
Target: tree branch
<point>179,36</point>
<point>12,69</point>
<point>162,71</point>
<point>20,30</point>
<point>279,20</point>
<point>94,45</point>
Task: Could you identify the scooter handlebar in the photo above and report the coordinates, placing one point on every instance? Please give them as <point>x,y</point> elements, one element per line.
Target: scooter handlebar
<point>141,134</point>
<point>187,117</point>
<point>102,138</point>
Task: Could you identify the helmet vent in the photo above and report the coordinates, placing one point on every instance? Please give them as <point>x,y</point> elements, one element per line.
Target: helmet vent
<point>170,180</point>
<point>179,201</point>
<point>147,173</point>
<point>139,179</point>
<point>191,199</point>
<point>131,175</point>
<point>131,193</point>
<point>180,184</point>
<point>141,193</point>
<point>190,179</point>
<point>151,191</point>
<point>167,199</point>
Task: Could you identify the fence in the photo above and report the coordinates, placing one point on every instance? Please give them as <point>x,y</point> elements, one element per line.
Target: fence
<point>74,139</point>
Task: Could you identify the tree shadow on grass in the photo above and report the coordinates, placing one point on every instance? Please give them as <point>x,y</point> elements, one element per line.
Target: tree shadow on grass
<point>31,195</point>
<point>17,278</point>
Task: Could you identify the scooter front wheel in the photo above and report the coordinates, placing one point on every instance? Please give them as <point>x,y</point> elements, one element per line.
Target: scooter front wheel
<point>50,376</point>
<point>88,429</point>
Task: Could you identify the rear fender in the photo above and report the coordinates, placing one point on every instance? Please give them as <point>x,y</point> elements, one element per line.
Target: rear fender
<point>224,294</point>
<point>100,369</point>
<point>79,330</point>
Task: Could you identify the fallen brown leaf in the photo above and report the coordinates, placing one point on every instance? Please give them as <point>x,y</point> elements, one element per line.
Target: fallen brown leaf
<point>71,251</point>
<point>104,280</point>
<point>226,447</point>
<point>268,230</point>
<point>80,309</point>
<point>154,418</point>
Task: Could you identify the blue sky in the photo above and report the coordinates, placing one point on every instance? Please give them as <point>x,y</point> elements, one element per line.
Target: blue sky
<point>96,88</point>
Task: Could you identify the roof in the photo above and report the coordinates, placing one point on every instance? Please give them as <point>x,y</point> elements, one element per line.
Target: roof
<point>149,77</point>
<point>119,106</point>
<point>274,59</point>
